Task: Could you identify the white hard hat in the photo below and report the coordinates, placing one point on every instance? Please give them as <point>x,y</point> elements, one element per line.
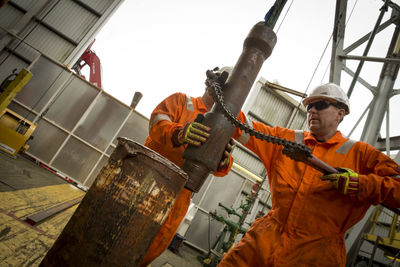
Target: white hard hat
<point>329,91</point>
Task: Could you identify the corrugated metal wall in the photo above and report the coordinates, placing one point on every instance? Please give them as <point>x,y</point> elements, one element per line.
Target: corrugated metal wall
<point>60,29</point>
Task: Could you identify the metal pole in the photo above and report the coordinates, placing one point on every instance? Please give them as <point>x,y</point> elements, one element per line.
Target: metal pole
<point>371,39</point>
<point>337,41</point>
<point>385,87</point>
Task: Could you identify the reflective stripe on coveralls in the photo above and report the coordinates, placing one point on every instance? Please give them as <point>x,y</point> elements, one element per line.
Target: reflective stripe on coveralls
<point>299,139</point>
<point>244,137</point>
<point>159,117</point>
<point>175,111</point>
<point>309,217</point>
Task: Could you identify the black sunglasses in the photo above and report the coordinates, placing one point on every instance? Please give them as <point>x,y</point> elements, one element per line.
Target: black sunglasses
<point>320,105</point>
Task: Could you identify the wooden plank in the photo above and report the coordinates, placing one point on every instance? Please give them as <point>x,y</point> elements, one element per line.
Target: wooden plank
<point>43,215</point>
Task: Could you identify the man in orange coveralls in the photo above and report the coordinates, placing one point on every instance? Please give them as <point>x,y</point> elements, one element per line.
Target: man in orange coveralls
<point>310,214</point>
<point>171,128</point>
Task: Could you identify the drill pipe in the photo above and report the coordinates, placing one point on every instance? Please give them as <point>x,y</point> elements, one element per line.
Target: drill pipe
<point>122,212</point>
<point>200,161</point>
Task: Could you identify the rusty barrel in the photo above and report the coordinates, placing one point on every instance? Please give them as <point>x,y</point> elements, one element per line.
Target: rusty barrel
<point>122,211</point>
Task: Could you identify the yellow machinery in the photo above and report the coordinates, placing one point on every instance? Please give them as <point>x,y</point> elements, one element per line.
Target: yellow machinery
<point>14,129</point>
<point>14,132</point>
<point>390,244</point>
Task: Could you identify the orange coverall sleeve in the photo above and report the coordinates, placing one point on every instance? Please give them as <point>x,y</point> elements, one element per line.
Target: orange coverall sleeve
<point>164,120</point>
<point>381,182</point>
<point>260,148</point>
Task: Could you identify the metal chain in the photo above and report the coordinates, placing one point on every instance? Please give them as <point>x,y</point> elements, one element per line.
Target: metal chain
<point>295,151</point>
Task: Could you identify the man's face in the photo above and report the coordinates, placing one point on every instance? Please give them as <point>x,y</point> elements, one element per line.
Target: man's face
<point>323,116</point>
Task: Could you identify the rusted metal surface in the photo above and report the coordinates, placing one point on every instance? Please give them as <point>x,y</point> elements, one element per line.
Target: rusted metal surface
<point>122,211</point>
<point>200,161</point>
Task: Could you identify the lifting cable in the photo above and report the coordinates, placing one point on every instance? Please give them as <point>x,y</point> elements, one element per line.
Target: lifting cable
<point>273,13</point>
<point>318,64</point>
<point>327,44</point>
<point>348,19</point>
<point>284,17</point>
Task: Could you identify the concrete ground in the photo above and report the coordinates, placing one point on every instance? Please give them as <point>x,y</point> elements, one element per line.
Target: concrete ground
<point>186,257</point>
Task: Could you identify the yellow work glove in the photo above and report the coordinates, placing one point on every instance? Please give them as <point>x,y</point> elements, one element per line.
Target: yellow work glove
<point>194,133</point>
<point>346,181</point>
<point>225,157</point>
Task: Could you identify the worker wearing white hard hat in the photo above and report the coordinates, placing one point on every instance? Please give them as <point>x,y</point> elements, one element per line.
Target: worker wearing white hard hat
<point>311,213</point>
<point>330,92</point>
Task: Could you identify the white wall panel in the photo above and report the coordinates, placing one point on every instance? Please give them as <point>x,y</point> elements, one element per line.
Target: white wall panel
<point>272,109</point>
<point>76,159</point>
<point>135,128</point>
<point>103,121</point>
<point>47,139</point>
<point>10,62</point>
<point>71,102</point>
<point>252,164</point>
<point>47,78</point>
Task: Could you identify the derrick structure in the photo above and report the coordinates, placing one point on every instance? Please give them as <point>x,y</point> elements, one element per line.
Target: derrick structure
<point>378,112</point>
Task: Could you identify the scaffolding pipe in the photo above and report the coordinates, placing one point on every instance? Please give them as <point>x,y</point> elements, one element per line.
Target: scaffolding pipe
<point>370,40</point>
<point>385,87</point>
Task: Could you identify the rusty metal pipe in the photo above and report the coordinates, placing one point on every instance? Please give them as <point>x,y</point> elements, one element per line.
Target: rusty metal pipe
<point>122,212</point>
<point>321,166</point>
<point>200,161</point>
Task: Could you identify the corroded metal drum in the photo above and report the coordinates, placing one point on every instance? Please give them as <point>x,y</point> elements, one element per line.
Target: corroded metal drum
<point>122,212</point>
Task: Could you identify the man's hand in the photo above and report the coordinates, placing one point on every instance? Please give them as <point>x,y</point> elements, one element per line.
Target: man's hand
<point>193,133</point>
<point>225,157</point>
<point>220,78</point>
<point>346,181</point>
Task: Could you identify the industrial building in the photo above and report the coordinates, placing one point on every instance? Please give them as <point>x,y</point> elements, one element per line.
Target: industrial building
<point>61,129</point>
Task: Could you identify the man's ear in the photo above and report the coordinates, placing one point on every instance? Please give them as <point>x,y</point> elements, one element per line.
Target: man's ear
<point>341,114</point>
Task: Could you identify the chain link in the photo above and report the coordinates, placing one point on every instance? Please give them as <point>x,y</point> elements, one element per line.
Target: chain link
<point>295,151</point>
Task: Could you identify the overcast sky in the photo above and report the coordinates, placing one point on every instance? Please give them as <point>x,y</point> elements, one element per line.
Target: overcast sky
<point>162,47</point>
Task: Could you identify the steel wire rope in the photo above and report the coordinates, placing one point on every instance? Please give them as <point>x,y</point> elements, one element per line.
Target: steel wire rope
<point>348,19</point>
<point>316,68</point>
<point>284,17</point>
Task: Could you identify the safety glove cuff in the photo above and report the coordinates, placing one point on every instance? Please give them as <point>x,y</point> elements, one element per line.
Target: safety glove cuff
<point>346,181</point>
<point>174,137</point>
<point>226,157</point>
